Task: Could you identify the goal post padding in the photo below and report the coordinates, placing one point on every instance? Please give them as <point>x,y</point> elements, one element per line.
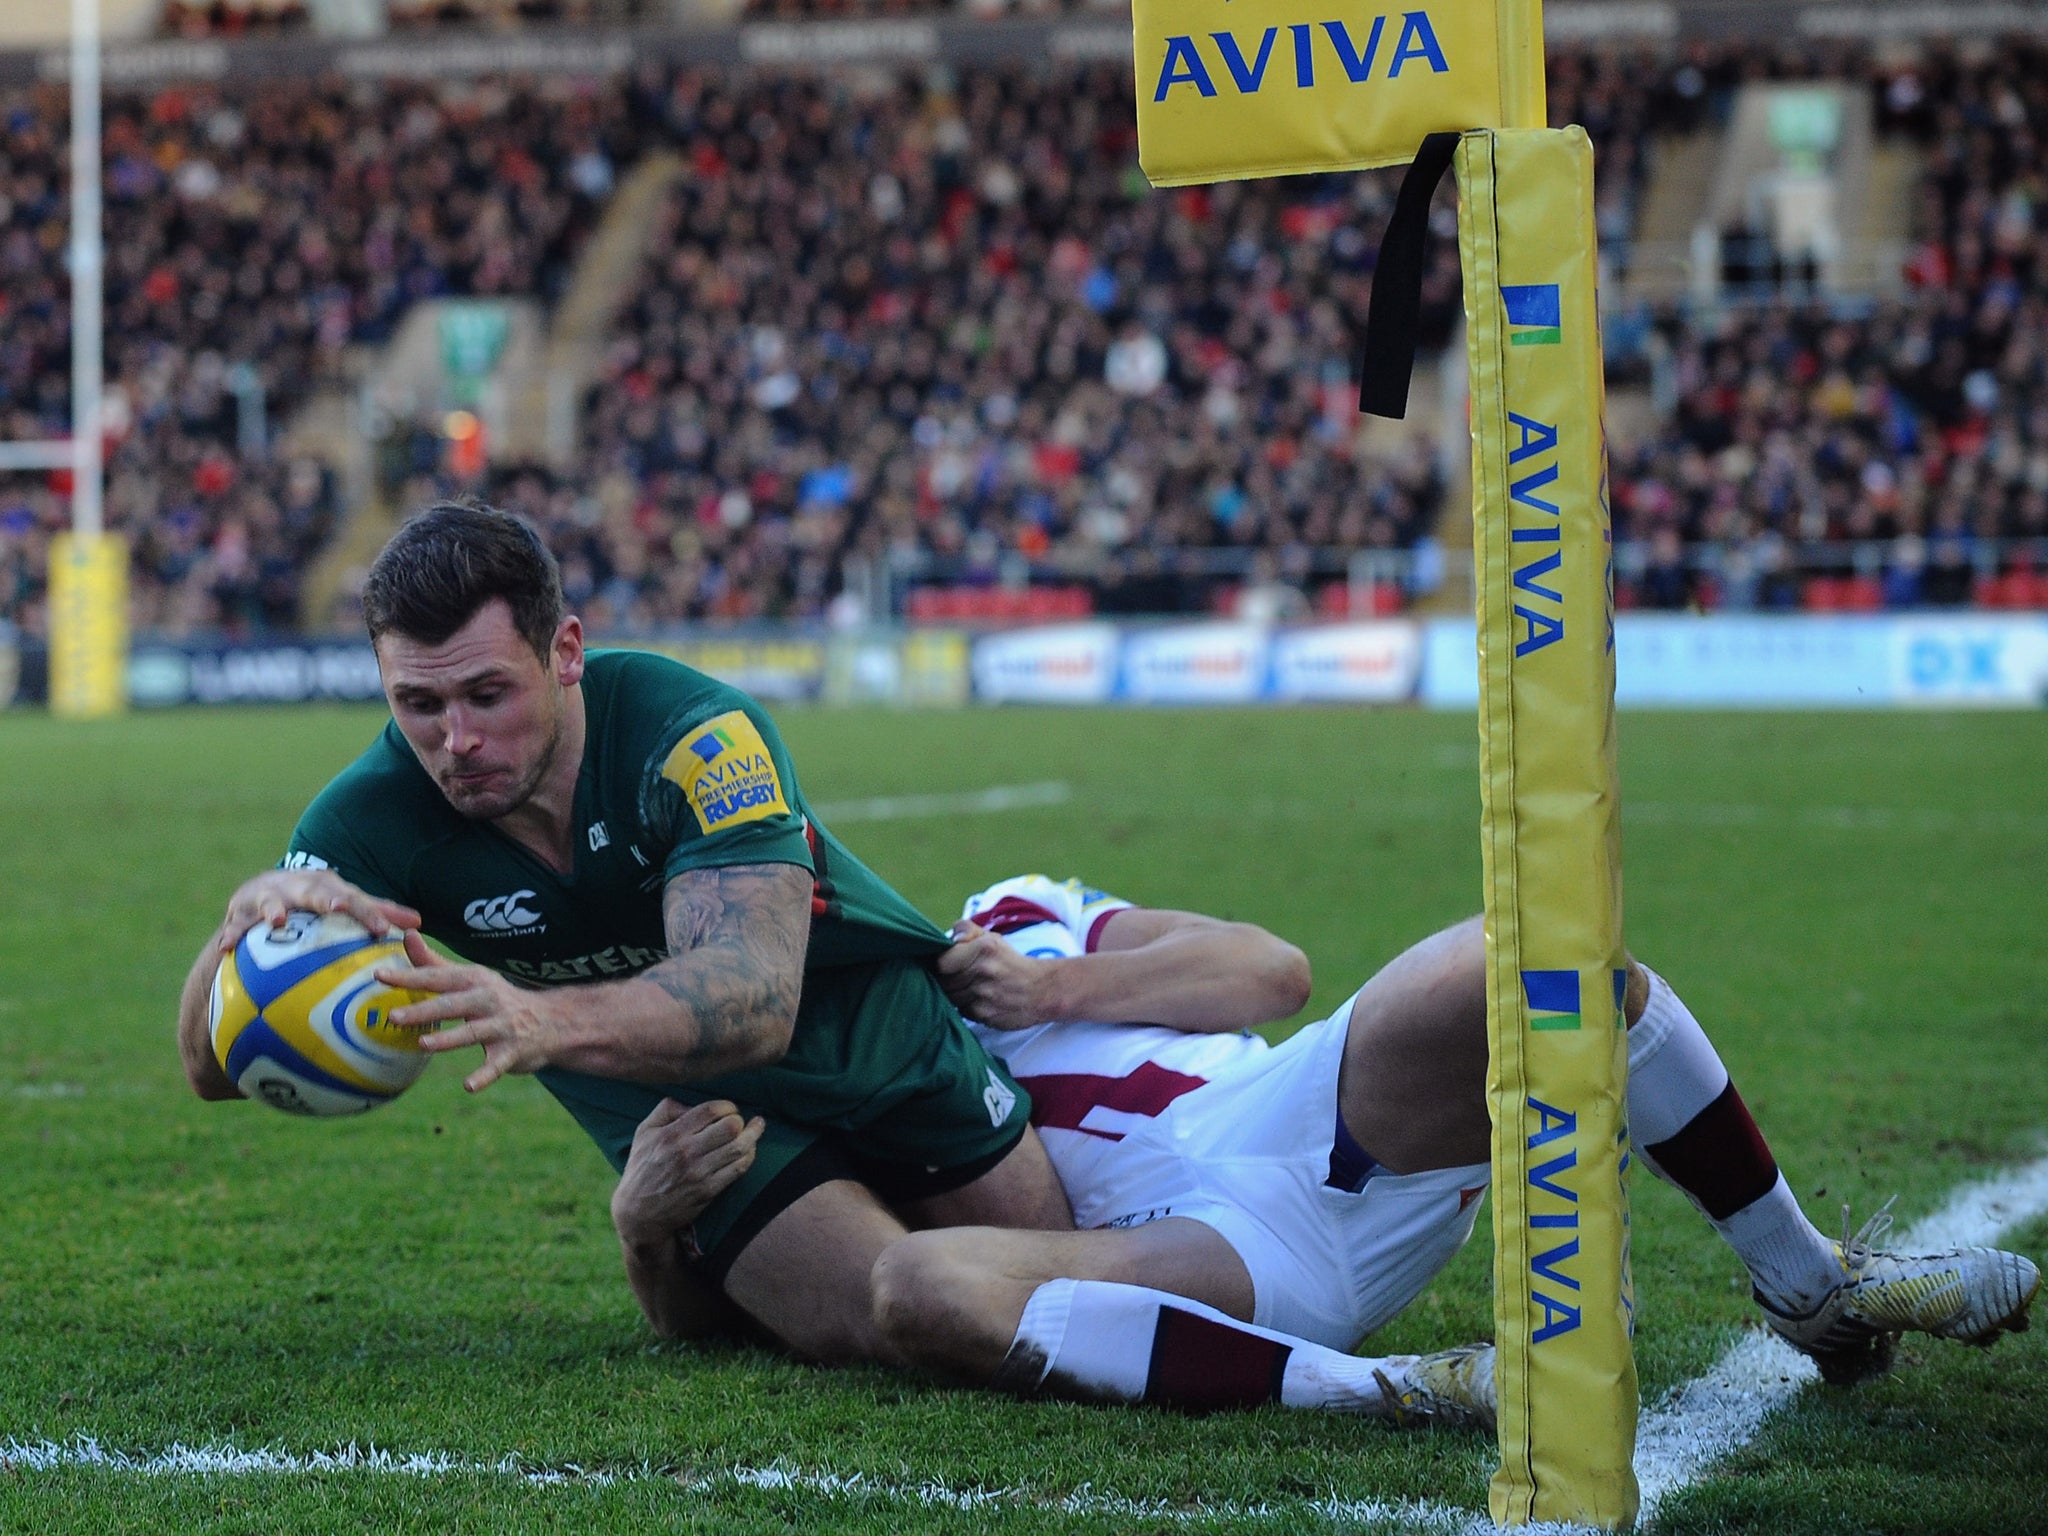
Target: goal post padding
<point>88,625</point>
<point>1557,1079</point>
<point>1230,89</point>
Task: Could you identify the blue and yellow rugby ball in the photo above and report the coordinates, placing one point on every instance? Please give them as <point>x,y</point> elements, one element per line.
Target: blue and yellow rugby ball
<point>301,1022</point>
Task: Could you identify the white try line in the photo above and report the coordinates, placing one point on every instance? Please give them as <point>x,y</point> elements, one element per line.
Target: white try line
<point>1720,1412</point>
<point>1704,1421</point>
<point>973,802</point>
<point>222,1460</point>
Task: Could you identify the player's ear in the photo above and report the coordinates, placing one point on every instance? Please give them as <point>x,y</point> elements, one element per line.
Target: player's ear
<point>567,652</point>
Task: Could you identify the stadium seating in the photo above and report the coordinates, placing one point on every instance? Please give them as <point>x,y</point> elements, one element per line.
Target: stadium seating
<point>253,238</point>
<point>931,330</point>
<point>1915,429</point>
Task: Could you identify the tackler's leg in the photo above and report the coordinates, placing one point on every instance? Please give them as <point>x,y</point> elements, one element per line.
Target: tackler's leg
<point>1841,1302</point>
<point>1413,1096</point>
<point>1152,1314</point>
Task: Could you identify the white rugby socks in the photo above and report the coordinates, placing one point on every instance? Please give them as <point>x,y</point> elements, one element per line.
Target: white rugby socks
<point>1693,1130</point>
<point>1674,1072</point>
<point>1131,1344</point>
<point>1792,1266</point>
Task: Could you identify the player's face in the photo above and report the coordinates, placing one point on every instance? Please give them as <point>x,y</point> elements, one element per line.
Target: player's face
<point>484,714</point>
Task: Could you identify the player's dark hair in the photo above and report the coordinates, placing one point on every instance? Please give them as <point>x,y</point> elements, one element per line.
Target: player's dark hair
<point>446,562</point>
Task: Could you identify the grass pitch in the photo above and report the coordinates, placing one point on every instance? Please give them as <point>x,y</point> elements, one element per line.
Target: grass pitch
<point>1852,904</point>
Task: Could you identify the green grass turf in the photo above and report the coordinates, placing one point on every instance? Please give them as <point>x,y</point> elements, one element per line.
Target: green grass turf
<point>1852,904</point>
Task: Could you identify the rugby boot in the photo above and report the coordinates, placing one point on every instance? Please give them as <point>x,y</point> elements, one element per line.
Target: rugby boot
<point>1969,1294</point>
<point>1452,1386</point>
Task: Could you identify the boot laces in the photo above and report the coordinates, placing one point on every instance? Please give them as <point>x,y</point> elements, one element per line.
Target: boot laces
<point>1860,1243</point>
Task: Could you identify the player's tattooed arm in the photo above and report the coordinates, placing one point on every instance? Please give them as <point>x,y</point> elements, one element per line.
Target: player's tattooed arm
<point>724,999</point>
<point>736,942</point>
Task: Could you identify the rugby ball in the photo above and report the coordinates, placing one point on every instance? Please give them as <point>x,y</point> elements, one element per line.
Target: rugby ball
<point>301,1022</point>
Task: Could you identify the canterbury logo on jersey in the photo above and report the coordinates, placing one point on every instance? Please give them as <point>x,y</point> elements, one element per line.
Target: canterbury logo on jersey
<point>502,914</point>
<point>997,1098</point>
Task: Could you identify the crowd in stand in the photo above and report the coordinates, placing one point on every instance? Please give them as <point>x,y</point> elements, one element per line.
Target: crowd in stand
<point>948,332</point>
<point>252,237</point>
<point>277,18</point>
<point>935,326</point>
<point>219,18</point>
<point>917,324</point>
<point>1882,456</point>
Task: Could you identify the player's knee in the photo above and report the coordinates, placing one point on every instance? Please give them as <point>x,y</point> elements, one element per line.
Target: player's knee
<point>924,1289</point>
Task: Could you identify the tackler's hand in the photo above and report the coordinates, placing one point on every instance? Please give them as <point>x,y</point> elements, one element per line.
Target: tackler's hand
<point>993,983</point>
<point>683,1158</point>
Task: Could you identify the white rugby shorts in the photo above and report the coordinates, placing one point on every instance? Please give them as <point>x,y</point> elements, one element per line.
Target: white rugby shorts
<point>1249,1155</point>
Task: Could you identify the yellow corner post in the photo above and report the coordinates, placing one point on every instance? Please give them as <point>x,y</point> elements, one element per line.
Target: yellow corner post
<point>1557,1083</point>
<point>1229,89</point>
<point>88,625</point>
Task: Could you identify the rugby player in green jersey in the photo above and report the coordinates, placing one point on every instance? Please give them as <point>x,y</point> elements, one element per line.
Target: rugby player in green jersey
<point>621,849</point>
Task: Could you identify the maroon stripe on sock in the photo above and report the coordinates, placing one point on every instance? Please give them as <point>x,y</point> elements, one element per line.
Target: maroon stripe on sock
<point>1199,1364</point>
<point>1720,1158</point>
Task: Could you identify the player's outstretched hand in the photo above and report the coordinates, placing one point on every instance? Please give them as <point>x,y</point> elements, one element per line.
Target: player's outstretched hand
<point>474,1006</point>
<point>683,1158</point>
<point>994,984</point>
<point>269,896</point>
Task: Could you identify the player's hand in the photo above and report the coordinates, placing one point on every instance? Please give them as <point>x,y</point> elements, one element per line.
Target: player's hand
<point>993,983</point>
<point>683,1158</point>
<point>475,1006</point>
<point>276,892</point>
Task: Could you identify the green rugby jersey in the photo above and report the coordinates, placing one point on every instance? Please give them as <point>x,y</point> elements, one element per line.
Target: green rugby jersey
<point>679,772</point>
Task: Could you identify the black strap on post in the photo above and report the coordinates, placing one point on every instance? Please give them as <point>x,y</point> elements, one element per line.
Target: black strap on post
<point>1387,359</point>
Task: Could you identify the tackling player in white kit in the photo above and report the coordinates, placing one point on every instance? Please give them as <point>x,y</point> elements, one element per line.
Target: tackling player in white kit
<point>1250,1213</point>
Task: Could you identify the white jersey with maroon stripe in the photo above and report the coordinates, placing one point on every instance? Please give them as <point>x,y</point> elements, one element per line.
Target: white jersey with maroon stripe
<point>1144,1122</point>
<point>1092,1085</point>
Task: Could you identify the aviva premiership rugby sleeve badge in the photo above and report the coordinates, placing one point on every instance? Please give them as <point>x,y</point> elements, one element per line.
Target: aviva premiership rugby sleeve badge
<point>726,772</point>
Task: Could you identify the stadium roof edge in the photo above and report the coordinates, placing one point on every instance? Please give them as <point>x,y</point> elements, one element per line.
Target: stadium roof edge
<point>941,37</point>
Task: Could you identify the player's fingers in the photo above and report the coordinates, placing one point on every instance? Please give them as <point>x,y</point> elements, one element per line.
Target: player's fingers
<point>416,948</point>
<point>711,1131</point>
<point>664,1113</point>
<point>454,1037</point>
<point>750,1135</point>
<point>437,977</point>
<point>239,921</point>
<point>381,917</point>
<point>502,1054</point>
<point>697,1126</point>
<point>716,1181</point>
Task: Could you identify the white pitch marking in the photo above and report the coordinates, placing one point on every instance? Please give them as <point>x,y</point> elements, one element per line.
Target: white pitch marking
<point>220,1460</point>
<point>1719,1412</point>
<point>974,802</point>
<point>1706,1419</point>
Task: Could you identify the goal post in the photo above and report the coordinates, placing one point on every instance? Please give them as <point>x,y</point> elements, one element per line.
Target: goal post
<point>1230,89</point>
<point>88,567</point>
<point>1551,838</point>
